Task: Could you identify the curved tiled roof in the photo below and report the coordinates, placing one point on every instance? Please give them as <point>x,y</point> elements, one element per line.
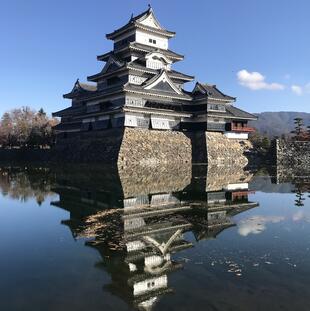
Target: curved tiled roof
<point>141,47</point>
<point>234,112</point>
<point>135,22</point>
<point>80,88</point>
<point>210,91</point>
<point>148,48</point>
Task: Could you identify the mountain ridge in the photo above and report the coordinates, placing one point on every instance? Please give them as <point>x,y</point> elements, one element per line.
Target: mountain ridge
<point>277,123</point>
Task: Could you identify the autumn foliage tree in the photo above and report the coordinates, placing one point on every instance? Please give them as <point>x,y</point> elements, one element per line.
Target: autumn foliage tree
<point>26,128</point>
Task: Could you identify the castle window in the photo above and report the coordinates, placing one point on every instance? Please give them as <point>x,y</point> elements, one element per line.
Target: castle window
<point>153,41</point>
<point>216,107</point>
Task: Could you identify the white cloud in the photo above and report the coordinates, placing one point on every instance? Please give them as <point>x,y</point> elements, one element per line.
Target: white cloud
<point>297,89</point>
<point>256,224</point>
<point>301,89</point>
<point>256,81</point>
<point>301,216</point>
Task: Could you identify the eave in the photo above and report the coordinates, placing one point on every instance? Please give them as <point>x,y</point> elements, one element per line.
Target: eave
<point>207,90</point>
<point>161,95</point>
<point>135,25</point>
<point>99,113</point>
<point>230,117</point>
<point>146,48</point>
<point>134,46</point>
<point>172,74</point>
<point>157,111</point>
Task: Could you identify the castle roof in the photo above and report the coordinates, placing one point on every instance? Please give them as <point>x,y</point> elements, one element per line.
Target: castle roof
<point>68,111</point>
<point>211,91</point>
<point>80,88</point>
<point>135,65</point>
<point>139,22</point>
<point>135,46</point>
<point>234,113</point>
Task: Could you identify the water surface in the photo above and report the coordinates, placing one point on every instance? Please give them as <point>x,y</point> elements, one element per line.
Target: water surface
<point>154,239</point>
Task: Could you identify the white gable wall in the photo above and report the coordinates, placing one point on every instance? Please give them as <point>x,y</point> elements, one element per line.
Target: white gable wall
<point>151,22</point>
<point>144,37</point>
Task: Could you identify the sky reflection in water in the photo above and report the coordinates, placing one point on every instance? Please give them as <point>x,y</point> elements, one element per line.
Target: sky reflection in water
<point>89,238</point>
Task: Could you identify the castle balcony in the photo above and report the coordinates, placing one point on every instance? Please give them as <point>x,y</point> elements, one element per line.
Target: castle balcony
<point>239,128</point>
<point>239,194</point>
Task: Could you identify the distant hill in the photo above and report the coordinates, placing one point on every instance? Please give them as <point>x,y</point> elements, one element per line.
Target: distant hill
<point>278,123</point>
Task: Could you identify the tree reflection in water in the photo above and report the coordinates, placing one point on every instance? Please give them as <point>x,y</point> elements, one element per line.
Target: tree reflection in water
<point>138,219</point>
<point>23,183</point>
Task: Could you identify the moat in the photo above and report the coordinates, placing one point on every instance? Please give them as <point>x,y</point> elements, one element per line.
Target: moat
<point>168,238</point>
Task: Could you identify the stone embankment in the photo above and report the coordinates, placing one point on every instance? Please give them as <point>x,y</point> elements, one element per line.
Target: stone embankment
<point>293,153</point>
<point>150,148</point>
<point>222,151</point>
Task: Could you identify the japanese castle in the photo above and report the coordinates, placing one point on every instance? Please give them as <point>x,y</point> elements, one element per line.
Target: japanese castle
<point>140,231</point>
<point>138,87</point>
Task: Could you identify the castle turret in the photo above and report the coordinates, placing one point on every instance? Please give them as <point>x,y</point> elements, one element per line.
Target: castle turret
<point>138,88</point>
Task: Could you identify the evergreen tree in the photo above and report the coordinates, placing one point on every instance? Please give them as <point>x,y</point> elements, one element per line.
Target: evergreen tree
<point>298,131</point>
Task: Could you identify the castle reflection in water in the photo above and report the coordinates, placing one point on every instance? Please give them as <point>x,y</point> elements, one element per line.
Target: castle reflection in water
<point>145,223</point>
<point>137,219</point>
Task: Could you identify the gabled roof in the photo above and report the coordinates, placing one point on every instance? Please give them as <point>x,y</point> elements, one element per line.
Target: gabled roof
<point>146,21</point>
<point>158,55</point>
<point>140,90</point>
<point>80,88</point>
<point>134,46</point>
<point>136,66</point>
<point>148,18</point>
<point>171,73</point>
<point>112,60</point>
<point>113,64</point>
<point>162,79</point>
<point>211,91</point>
<point>148,48</point>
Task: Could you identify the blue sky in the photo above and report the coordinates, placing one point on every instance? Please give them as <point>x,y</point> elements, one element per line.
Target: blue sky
<point>257,50</point>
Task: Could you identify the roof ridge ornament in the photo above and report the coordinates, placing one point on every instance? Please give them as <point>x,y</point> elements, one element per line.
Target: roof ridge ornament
<point>131,17</point>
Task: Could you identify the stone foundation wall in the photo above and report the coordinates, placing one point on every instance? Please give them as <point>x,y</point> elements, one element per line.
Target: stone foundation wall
<point>293,154</point>
<point>132,146</point>
<point>219,177</point>
<point>140,180</point>
<point>153,147</point>
<point>224,151</point>
<point>94,147</point>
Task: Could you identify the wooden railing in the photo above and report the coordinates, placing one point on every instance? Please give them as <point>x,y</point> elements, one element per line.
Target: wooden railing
<point>242,193</point>
<point>241,128</point>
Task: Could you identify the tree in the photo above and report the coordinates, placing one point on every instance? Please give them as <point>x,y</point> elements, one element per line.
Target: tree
<point>261,144</point>
<point>25,127</point>
<point>299,128</point>
<point>265,143</point>
<point>6,130</point>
